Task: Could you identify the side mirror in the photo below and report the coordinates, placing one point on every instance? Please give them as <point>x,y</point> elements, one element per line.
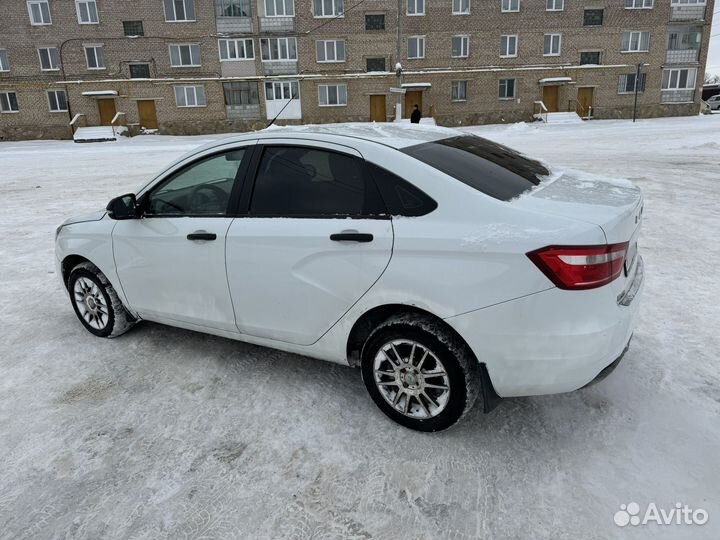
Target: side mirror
<point>123,207</point>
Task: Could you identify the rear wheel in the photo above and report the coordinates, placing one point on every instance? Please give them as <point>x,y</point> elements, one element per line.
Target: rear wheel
<point>419,373</point>
<point>96,303</point>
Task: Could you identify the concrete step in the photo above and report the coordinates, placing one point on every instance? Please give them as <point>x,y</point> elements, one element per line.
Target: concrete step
<point>563,118</point>
<point>94,134</point>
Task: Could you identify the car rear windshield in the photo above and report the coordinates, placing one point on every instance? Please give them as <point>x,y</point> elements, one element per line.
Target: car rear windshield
<point>484,165</point>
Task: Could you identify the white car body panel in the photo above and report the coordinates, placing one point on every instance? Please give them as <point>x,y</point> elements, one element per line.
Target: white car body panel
<point>280,282</point>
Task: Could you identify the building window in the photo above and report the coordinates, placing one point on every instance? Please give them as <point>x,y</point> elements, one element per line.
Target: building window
<point>554,5</point>
<point>94,57</point>
<point>508,46</point>
<point>506,89</point>
<point>460,7</point>
<point>328,8</point>
<point>139,71</point>
<point>87,12</point>
<point>57,101</point>
<point>459,90</point>
<point>679,79</point>
<point>510,6</point>
<point>4,61</point>
<point>416,7</point>
<point>626,83</point>
<point>49,59</point>
<point>185,55</point>
<point>638,4</point>
<point>239,94</point>
<point>39,11</point>
<point>593,17</point>
<point>374,22</point>
<point>279,8</point>
<point>8,102</point>
<point>590,58</point>
<point>552,45</point>
<point>273,49</point>
<point>375,64</point>
<point>133,28</point>
<point>330,51</point>
<point>236,49</point>
<point>636,41</point>
<point>179,10</point>
<point>279,91</point>
<point>460,46</point>
<point>190,96</point>
<point>416,47</point>
<point>332,95</point>
<point>232,8</point>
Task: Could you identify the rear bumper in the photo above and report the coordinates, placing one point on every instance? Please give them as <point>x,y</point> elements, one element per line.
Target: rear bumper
<point>553,341</point>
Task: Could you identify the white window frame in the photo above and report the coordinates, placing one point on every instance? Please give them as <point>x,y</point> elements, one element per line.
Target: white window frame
<point>638,48</point>
<point>55,93</point>
<point>287,48</point>
<point>552,5</point>
<point>418,8</point>
<point>334,44</point>
<point>188,90</point>
<point>338,9</point>
<point>639,4</point>
<point>688,2</point>
<point>50,58</point>
<point>419,40</point>
<point>504,51</point>
<point>326,89</point>
<point>179,47</point>
<point>553,37</point>
<point>246,45</point>
<point>31,3</point>
<point>282,86</point>
<point>690,86</point>
<point>283,5</point>
<point>458,10</point>
<point>7,93</point>
<point>507,98</point>
<point>464,46</point>
<point>87,3</point>
<point>174,13</point>
<point>94,48</point>
<point>466,83</point>
<point>506,6</point>
<point>4,64</point>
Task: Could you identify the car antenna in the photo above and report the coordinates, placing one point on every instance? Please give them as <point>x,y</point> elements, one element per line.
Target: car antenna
<point>293,96</point>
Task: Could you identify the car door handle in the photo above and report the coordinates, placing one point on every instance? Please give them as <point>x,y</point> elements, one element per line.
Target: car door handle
<point>202,235</point>
<point>351,237</point>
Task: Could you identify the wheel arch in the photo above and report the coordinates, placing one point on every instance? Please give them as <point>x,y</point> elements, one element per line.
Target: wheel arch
<point>70,262</point>
<point>368,321</point>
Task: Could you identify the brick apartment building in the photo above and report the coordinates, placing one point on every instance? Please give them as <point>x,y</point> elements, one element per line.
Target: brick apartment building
<point>198,66</point>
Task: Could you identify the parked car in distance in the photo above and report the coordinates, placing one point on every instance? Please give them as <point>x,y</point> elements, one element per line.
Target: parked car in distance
<point>714,102</point>
<point>447,267</point>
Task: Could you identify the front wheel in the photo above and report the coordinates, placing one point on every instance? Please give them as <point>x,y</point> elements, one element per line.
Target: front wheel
<point>419,373</point>
<point>96,303</point>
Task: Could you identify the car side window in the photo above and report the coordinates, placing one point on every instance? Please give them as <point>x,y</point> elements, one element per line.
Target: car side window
<point>200,189</point>
<point>311,182</point>
<point>401,198</point>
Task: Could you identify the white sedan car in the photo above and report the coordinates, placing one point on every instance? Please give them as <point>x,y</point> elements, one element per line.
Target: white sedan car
<point>447,267</point>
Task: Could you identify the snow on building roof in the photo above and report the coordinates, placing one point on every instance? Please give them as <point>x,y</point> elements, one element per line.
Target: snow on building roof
<point>100,93</point>
<point>555,80</point>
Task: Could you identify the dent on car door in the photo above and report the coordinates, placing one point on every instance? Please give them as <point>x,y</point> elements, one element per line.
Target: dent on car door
<point>171,262</point>
<point>315,239</point>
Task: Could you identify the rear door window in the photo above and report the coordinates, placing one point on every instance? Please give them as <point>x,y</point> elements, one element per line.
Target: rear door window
<point>489,167</point>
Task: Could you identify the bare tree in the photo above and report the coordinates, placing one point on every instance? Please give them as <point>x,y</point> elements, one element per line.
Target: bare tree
<point>711,78</point>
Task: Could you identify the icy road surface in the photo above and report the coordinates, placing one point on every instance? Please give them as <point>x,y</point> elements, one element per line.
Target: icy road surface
<point>169,434</point>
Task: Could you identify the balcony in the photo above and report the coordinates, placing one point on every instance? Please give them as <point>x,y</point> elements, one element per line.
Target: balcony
<point>234,25</point>
<point>280,67</point>
<point>242,112</point>
<point>277,24</point>
<point>678,96</point>
<point>687,13</point>
<point>687,56</point>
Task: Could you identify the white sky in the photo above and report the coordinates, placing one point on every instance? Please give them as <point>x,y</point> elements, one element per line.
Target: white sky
<point>713,62</point>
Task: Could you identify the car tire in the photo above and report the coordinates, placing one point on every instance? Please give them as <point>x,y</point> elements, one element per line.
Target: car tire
<point>419,373</point>
<point>96,303</point>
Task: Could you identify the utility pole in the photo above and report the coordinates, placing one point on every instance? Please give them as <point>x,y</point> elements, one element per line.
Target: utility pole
<point>637,86</point>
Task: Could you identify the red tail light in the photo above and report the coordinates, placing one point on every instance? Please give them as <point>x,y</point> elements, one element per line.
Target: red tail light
<point>580,267</point>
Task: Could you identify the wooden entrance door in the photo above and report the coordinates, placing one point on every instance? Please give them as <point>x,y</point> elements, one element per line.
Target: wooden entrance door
<point>106,107</point>
<point>147,113</point>
<point>412,98</point>
<point>377,109</point>
<point>550,98</point>
<point>585,99</point>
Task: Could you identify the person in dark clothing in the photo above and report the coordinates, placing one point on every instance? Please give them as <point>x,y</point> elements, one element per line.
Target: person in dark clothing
<point>415,116</point>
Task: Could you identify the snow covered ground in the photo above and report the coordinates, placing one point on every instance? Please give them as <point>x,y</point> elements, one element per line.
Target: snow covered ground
<point>165,433</point>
